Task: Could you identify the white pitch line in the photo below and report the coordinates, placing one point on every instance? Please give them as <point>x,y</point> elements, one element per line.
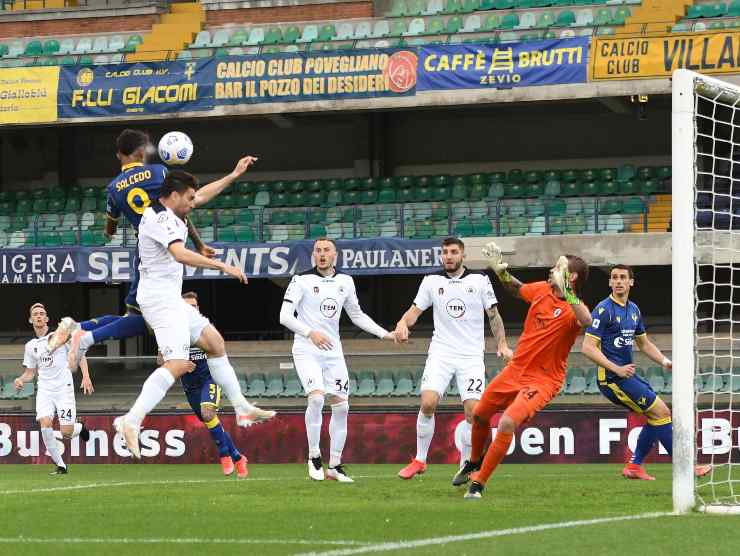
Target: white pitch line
<point>400,545</point>
<point>88,486</point>
<point>32,540</point>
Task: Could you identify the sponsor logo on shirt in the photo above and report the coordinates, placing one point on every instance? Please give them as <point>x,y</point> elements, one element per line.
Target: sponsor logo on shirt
<point>441,291</point>
<point>557,312</point>
<point>455,308</point>
<point>316,290</point>
<point>329,307</point>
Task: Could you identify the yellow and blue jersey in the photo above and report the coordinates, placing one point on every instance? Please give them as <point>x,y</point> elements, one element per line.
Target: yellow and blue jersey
<point>616,325</point>
<point>198,384</point>
<point>134,189</point>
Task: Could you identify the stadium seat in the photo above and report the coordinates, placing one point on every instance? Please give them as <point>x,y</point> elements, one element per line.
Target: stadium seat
<point>274,386</point>
<point>386,385</point>
<point>293,387</point>
<point>256,36</point>
<point>404,384</point>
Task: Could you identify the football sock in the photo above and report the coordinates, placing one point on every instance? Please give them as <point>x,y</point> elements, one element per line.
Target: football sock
<point>52,446</point>
<point>225,376</point>
<point>664,432</point>
<point>481,431</point>
<point>645,442</point>
<point>313,424</point>
<point>152,392</point>
<point>337,432</point>
<point>92,324</point>
<point>494,455</point>
<point>218,434</point>
<point>424,434</point>
<point>127,326</point>
<point>466,433</point>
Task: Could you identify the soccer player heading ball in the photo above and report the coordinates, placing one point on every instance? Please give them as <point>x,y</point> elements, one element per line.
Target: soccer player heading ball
<point>536,373</point>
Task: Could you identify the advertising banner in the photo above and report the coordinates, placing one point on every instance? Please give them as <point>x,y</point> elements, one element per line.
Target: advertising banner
<point>650,57</point>
<point>126,89</point>
<point>301,76</point>
<point>28,95</point>
<point>557,436</point>
<point>503,66</point>
<point>258,260</point>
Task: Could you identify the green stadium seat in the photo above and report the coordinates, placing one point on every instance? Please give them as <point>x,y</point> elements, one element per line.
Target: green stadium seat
<point>535,208</point>
<point>398,9</point>
<point>555,207</point>
<point>610,206</point>
<point>491,23</point>
<point>452,7</point>
<point>404,385</point>
<point>482,227</point>
<point>566,18</point>
<point>546,19</point>
<point>535,190</point>
<point>454,24</point>
<point>575,225</point>
<point>629,187</point>
<point>603,17</point>
<point>69,237</point>
<point>733,9</point>
<point>33,48</point>
<point>552,189</point>
<point>571,189</point>
<point>609,188</point>
<point>366,384</point>
<point>621,15</point>
<point>398,28</point>
<point>464,228</point>
<point>504,4</point>
<point>386,196</point>
<point>647,187</point>
<point>633,205</point>
<point>293,387</point>
<point>386,385</point>
<point>274,386</point>
<point>496,191</point>
<point>226,235</point>
<point>327,32</point>
<point>626,172</point>
<point>509,21</point>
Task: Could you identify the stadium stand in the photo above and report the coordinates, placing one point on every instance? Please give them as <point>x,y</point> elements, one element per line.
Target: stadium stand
<point>518,202</point>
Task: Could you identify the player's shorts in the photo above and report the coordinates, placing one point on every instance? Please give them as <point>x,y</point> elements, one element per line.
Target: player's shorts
<point>175,324</point>
<point>206,392</point>
<point>133,287</point>
<point>518,394</point>
<point>470,373</point>
<point>634,393</point>
<point>322,372</point>
<point>57,402</point>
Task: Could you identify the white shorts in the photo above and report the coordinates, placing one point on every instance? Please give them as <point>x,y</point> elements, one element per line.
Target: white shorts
<point>57,402</point>
<point>470,373</point>
<point>175,324</point>
<point>322,372</point>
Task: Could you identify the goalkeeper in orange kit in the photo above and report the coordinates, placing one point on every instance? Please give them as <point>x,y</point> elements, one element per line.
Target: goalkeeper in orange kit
<point>536,373</point>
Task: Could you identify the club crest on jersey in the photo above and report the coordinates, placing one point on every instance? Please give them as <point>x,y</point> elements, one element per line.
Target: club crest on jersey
<point>470,290</point>
<point>341,290</point>
<point>316,290</point>
<point>557,312</point>
<point>441,291</point>
<point>329,307</point>
<point>619,319</point>
<point>455,308</point>
<point>634,317</point>
<point>601,310</point>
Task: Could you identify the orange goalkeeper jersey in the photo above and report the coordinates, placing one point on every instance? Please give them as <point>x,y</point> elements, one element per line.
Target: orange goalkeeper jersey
<point>550,330</point>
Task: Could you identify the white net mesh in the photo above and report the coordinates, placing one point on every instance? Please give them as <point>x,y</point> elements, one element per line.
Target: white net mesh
<point>717,292</point>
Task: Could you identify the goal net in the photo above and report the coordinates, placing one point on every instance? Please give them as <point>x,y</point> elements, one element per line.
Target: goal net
<point>706,292</point>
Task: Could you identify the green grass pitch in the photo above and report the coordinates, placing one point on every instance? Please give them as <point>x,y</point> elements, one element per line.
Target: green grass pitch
<point>193,509</point>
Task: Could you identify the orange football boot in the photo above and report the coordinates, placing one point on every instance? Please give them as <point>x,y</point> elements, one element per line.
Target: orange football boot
<point>416,467</point>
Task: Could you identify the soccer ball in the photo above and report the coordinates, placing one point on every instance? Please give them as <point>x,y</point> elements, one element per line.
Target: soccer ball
<point>175,148</point>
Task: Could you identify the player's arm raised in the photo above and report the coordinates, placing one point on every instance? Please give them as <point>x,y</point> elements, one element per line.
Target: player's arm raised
<point>581,310</point>
<point>87,385</point>
<point>187,257</point>
<point>492,252</point>
<point>27,376</point>
<point>590,348</point>
<point>499,333</point>
<point>211,190</point>
<point>651,350</point>
<point>200,247</point>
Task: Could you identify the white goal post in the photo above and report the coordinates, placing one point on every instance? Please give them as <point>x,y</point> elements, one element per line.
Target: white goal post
<point>706,292</point>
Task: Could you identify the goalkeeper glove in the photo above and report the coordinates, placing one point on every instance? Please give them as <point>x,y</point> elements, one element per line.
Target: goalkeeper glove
<point>561,277</point>
<point>492,252</point>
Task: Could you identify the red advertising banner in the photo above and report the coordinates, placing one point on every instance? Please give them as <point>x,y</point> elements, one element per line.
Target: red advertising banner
<point>577,436</point>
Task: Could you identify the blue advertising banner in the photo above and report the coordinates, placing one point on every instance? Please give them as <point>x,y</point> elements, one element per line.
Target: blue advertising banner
<point>259,260</point>
<point>143,88</point>
<point>300,76</point>
<point>503,66</point>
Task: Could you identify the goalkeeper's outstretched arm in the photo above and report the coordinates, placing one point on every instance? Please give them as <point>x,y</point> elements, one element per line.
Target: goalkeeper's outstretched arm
<point>492,252</point>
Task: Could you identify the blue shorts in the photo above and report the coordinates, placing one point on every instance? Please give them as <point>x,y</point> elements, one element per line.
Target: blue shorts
<point>206,392</point>
<point>634,393</point>
<point>133,287</point>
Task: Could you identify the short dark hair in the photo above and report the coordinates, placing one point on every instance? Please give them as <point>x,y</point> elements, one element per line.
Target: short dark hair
<point>330,240</point>
<point>620,266</point>
<point>131,139</point>
<point>577,264</point>
<point>190,295</point>
<point>177,180</point>
<point>453,241</point>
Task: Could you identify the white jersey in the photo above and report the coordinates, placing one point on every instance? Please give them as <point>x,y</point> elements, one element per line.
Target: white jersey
<point>318,300</point>
<point>52,368</point>
<point>458,304</point>
<point>161,274</point>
